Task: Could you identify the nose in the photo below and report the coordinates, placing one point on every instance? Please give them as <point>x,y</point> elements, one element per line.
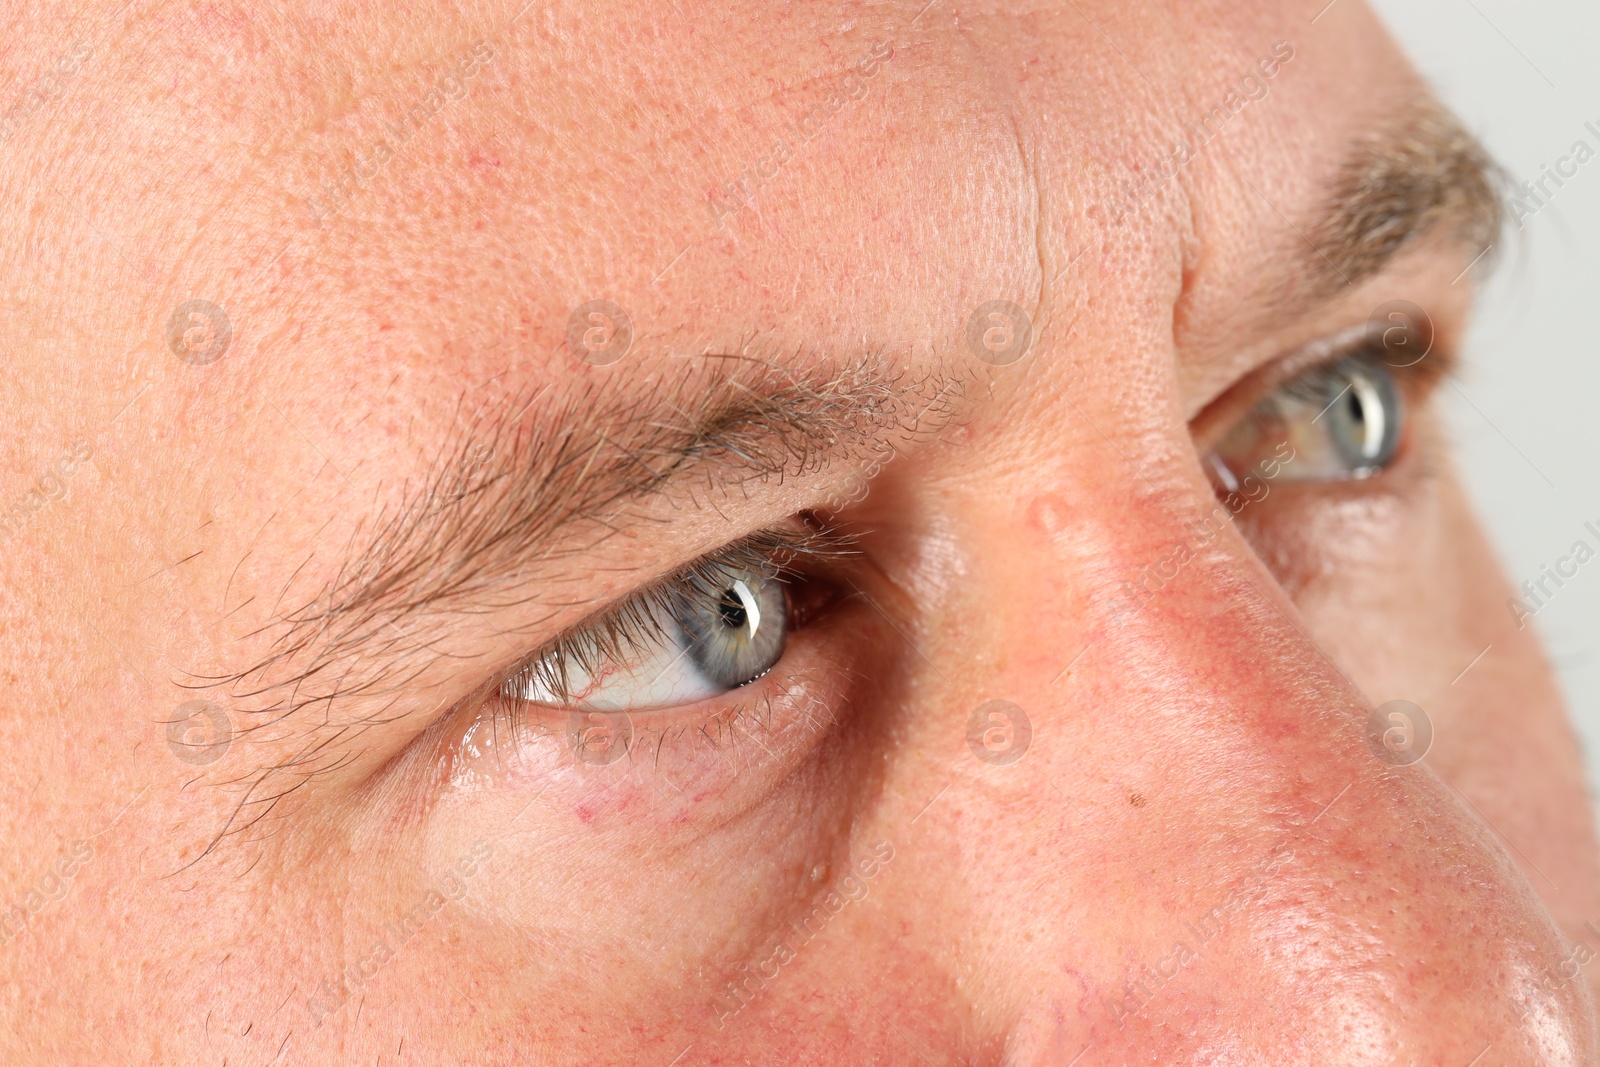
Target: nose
<point>1156,813</point>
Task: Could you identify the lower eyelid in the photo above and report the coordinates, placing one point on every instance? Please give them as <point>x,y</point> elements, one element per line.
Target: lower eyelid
<point>510,739</point>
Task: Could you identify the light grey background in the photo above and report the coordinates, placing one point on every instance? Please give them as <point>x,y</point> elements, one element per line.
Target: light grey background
<point>1525,76</point>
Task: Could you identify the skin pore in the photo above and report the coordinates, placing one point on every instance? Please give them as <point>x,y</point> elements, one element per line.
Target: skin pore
<point>354,516</point>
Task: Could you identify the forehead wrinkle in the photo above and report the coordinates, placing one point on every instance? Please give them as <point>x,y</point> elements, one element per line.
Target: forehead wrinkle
<point>505,492</point>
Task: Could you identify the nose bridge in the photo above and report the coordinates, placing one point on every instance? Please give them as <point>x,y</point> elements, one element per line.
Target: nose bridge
<point>1167,687</point>
<point>1145,592</point>
<point>1193,826</point>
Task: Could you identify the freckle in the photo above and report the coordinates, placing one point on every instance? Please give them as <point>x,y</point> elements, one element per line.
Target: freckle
<point>1136,799</point>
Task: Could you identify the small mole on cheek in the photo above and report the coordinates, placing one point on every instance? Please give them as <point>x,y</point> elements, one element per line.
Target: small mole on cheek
<point>1049,514</point>
<point>1136,799</point>
<point>819,873</point>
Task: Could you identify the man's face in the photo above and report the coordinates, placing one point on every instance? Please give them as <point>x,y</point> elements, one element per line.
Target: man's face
<point>841,533</point>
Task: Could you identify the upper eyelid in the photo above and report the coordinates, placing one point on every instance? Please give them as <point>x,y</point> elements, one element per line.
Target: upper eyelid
<point>1212,422</point>
<point>1440,362</point>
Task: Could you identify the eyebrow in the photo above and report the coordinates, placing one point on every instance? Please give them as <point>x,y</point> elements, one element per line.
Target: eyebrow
<point>1417,174</point>
<point>524,477</point>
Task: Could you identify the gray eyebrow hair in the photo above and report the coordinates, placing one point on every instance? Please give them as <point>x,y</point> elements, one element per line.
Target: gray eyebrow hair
<point>508,491</point>
<point>1417,173</point>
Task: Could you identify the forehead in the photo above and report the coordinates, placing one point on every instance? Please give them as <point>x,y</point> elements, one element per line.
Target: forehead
<point>833,176</point>
<point>399,219</point>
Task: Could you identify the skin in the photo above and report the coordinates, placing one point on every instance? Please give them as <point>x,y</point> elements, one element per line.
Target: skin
<point>1207,752</point>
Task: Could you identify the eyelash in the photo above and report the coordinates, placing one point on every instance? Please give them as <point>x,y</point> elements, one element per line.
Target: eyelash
<point>632,626</point>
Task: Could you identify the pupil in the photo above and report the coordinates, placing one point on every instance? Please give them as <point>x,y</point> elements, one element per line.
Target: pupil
<point>731,609</point>
<point>1358,410</point>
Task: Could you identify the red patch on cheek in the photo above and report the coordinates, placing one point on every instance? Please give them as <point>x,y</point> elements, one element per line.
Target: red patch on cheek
<point>1277,727</point>
<point>682,817</point>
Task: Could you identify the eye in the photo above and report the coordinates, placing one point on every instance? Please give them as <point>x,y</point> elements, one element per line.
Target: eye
<point>720,625</point>
<point>1337,421</point>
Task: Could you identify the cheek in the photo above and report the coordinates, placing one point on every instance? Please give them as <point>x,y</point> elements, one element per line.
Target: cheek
<point>1372,567</point>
